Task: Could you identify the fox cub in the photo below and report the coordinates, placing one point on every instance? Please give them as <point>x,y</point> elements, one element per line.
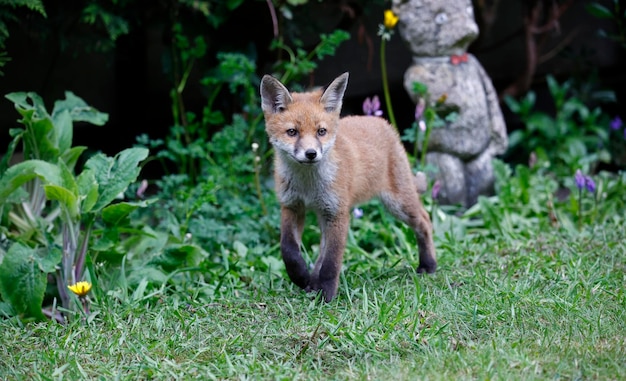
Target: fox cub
<point>328,164</point>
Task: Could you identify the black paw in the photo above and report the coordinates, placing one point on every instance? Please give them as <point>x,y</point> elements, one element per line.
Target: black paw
<point>328,291</point>
<point>429,268</point>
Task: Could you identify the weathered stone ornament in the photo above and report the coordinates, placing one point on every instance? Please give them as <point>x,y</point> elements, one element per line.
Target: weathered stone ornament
<point>438,34</point>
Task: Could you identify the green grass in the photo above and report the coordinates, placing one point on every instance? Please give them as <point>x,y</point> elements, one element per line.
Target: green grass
<point>547,307</point>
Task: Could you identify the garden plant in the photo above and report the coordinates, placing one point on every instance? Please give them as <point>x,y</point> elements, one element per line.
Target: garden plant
<point>107,274</point>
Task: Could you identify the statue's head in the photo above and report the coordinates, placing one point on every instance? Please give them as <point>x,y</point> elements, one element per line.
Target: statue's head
<point>436,27</point>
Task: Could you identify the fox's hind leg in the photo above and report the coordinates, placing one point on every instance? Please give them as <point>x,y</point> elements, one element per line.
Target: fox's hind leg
<point>406,206</point>
<point>290,240</point>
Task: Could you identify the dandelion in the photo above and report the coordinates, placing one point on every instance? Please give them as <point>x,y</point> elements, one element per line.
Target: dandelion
<point>390,20</point>
<point>81,288</point>
<point>372,106</point>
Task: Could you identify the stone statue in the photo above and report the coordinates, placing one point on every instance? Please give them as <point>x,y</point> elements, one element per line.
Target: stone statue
<point>438,34</point>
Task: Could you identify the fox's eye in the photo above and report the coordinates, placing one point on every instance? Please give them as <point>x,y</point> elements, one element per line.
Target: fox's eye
<point>292,132</point>
<point>321,132</point>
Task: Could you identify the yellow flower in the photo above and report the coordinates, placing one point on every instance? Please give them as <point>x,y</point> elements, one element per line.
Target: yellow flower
<point>80,288</point>
<point>442,98</point>
<point>390,19</point>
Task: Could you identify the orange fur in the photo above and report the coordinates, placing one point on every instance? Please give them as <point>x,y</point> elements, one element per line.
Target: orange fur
<point>329,164</point>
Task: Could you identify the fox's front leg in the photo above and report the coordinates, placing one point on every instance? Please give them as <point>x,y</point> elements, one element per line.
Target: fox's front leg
<point>327,268</point>
<point>292,223</point>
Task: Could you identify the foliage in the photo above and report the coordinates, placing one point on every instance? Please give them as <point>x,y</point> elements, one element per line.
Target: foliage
<point>616,13</point>
<point>48,212</point>
<point>429,114</point>
<point>178,284</point>
<point>214,155</point>
<point>7,8</point>
<point>574,137</point>
<point>533,303</point>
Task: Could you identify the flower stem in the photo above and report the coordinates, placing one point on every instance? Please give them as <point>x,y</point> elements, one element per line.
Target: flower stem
<point>580,207</point>
<point>383,68</point>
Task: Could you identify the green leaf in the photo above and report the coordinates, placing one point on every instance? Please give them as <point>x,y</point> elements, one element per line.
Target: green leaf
<point>175,256</point>
<point>87,189</point>
<point>4,163</point>
<point>65,197</point>
<point>23,279</point>
<point>115,214</point>
<point>79,110</point>
<point>115,174</point>
<point>41,141</point>
<point>71,156</point>
<point>599,11</point>
<point>19,174</point>
<point>21,102</point>
<point>64,128</point>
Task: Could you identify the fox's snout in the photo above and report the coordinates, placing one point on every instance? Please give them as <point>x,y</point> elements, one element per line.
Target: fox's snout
<point>310,154</point>
<point>306,149</point>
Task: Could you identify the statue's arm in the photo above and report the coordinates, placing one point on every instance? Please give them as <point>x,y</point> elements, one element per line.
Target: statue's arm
<point>499,138</point>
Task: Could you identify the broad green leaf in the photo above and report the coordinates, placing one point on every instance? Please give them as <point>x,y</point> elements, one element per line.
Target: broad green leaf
<point>115,214</point>
<point>115,174</point>
<point>87,189</point>
<point>17,175</point>
<point>22,281</point>
<point>64,130</point>
<point>79,110</point>
<point>40,141</point>
<point>66,198</point>
<point>71,156</point>
<point>21,102</point>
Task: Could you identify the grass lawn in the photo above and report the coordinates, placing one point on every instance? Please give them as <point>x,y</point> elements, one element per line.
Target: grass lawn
<point>552,307</point>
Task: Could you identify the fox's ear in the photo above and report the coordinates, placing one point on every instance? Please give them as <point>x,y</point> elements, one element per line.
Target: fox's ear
<point>332,99</point>
<point>274,95</point>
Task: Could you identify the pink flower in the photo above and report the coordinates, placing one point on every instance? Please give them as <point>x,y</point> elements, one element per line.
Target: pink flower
<point>436,189</point>
<point>372,106</point>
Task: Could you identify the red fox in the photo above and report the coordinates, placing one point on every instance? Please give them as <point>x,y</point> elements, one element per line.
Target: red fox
<point>329,164</point>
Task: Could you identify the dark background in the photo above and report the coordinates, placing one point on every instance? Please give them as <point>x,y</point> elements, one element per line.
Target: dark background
<point>58,53</point>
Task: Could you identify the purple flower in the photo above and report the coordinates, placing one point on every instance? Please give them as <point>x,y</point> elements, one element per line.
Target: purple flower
<point>357,212</point>
<point>583,181</point>
<point>436,189</point>
<point>372,106</point>
<point>616,123</point>
<point>142,188</point>
<point>590,184</point>
<point>419,108</point>
<point>580,179</point>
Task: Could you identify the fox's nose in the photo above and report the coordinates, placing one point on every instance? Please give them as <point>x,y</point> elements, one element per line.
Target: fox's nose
<point>310,154</point>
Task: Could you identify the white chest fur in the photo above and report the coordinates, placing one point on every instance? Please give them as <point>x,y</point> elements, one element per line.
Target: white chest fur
<point>311,185</point>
